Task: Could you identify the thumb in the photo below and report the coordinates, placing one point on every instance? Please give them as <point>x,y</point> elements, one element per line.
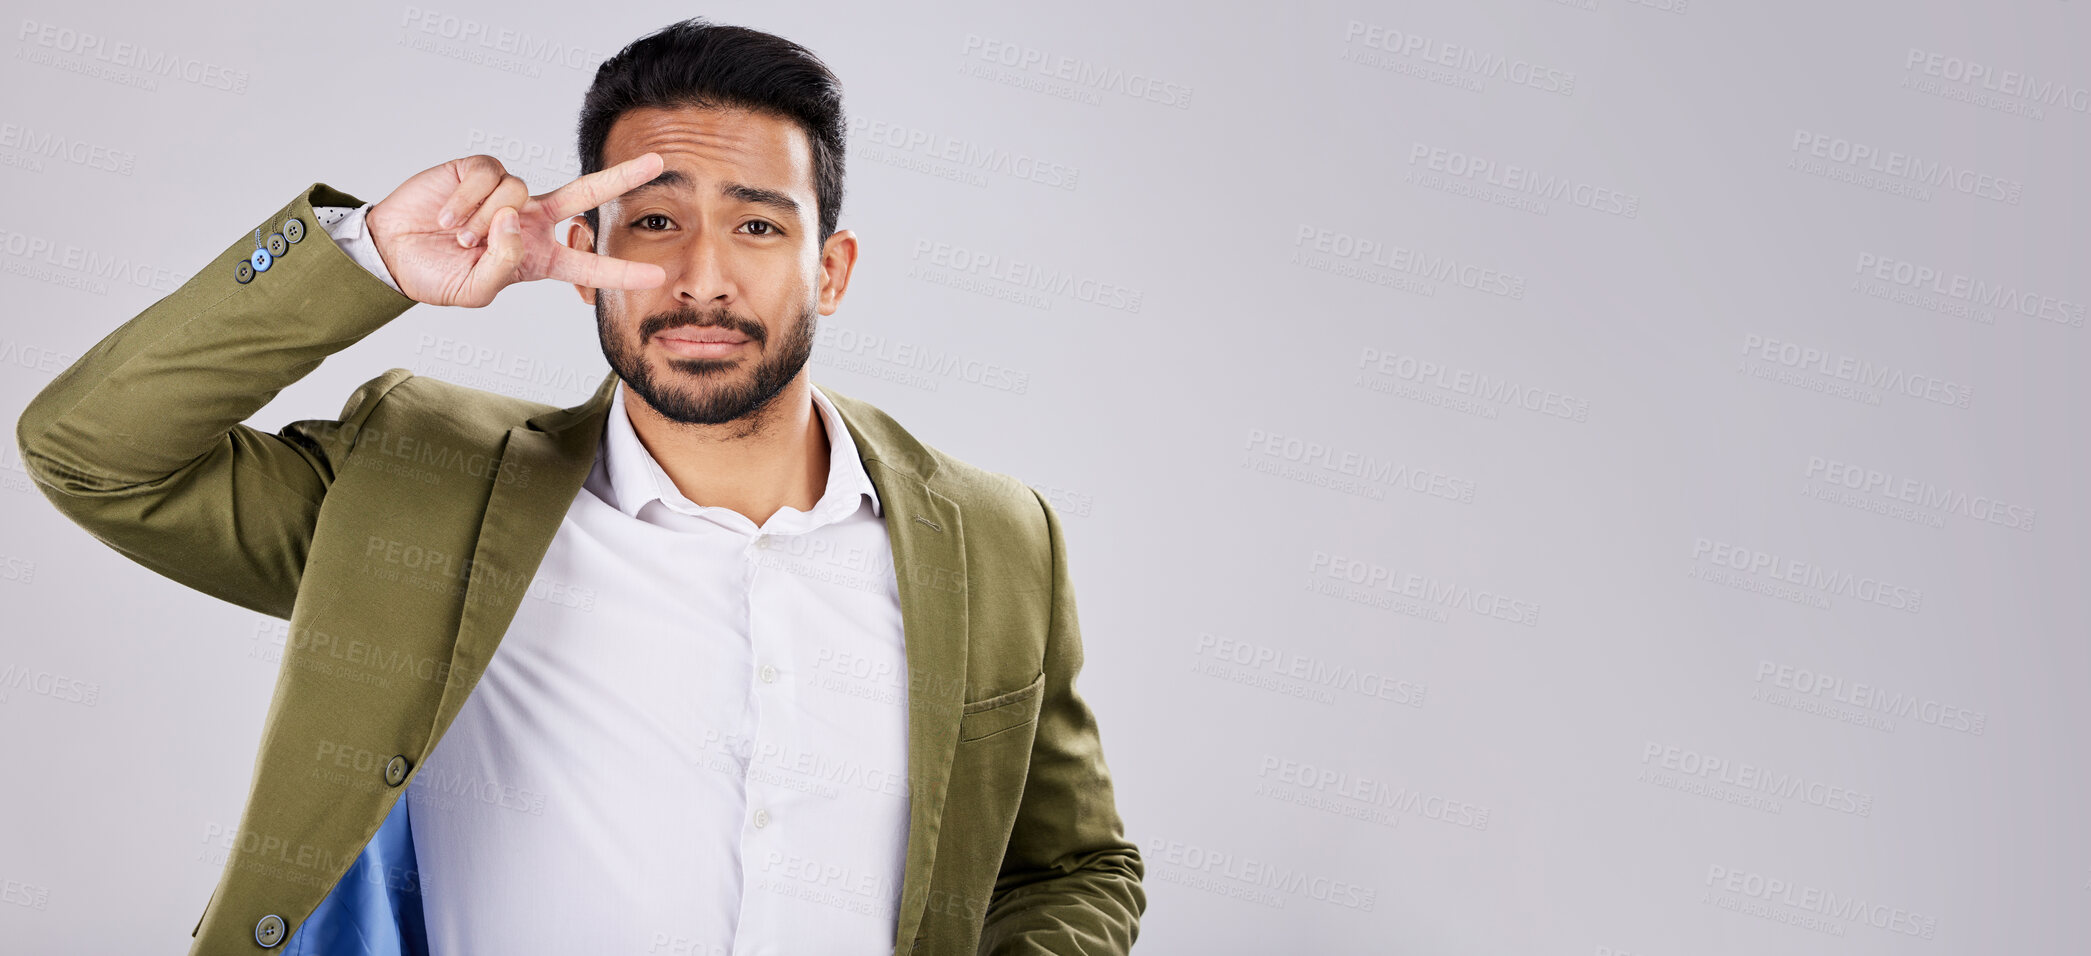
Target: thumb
<point>501,264</point>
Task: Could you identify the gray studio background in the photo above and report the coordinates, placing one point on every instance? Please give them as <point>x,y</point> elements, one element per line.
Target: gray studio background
<point>1588,477</point>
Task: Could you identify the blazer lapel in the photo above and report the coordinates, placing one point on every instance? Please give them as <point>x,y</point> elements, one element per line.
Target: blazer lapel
<point>543,464</point>
<point>929,563</point>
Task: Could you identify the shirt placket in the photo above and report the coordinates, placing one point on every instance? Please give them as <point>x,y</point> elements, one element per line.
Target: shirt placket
<point>769,741</point>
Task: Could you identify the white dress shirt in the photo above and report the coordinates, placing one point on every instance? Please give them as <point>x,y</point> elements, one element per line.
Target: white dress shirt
<point>692,739</point>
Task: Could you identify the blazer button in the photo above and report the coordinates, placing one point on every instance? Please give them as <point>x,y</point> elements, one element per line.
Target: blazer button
<point>269,931</point>
<point>395,770</point>
<point>243,272</point>
<point>278,245</point>
<point>261,259</point>
<point>294,230</point>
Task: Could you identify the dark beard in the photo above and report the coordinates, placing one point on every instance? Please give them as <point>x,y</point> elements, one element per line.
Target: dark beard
<point>724,400</point>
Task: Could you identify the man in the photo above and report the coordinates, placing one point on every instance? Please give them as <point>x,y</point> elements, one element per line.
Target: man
<point>715,661</point>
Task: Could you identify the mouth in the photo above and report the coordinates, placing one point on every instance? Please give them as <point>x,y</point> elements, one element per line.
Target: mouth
<point>702,342</point>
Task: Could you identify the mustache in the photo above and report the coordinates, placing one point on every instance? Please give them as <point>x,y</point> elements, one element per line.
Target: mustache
<point>660,322</point>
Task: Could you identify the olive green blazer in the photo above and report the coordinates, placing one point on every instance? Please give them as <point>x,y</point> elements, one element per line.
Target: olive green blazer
<point>1014,844</point>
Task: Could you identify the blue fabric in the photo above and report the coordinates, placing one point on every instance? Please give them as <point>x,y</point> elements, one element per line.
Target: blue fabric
<point>376,908</point>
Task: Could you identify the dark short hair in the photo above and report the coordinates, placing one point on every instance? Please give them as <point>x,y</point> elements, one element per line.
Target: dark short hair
<point>696,63</point>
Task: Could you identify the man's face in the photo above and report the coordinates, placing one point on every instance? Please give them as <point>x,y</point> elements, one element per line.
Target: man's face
<point>732,219</point>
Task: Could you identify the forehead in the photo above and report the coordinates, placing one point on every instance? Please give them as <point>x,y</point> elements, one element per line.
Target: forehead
<point>710,144</point>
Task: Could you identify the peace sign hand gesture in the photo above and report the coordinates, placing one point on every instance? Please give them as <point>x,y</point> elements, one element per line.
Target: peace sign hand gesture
<point>458,233</point>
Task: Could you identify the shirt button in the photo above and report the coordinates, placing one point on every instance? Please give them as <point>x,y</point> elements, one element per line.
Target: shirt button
<point>769,674</point>
<point>762,818</point>
<point>763,542</point>
<point>396,770</point>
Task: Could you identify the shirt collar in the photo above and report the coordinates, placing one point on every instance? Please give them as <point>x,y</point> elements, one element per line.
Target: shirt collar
<point>635,478</point>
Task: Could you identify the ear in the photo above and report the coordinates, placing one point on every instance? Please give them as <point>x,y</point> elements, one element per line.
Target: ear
<point>837,260</point>
<point>581,238</point>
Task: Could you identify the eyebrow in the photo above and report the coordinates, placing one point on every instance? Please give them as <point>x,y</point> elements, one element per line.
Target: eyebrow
<point>673,178</point>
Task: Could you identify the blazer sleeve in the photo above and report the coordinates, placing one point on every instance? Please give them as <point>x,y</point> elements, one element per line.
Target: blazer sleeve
<point>1070,882</point>
<point>140,441</point>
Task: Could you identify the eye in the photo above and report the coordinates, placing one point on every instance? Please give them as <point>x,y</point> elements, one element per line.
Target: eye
<point>649,217</point>
<point>767,228</point>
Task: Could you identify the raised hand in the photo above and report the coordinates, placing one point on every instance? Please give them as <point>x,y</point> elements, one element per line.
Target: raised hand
<point>458,233</point>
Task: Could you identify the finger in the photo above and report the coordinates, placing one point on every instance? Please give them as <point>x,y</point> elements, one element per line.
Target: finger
<point>600,186</point>
<point>500,265</point>
<point>511,193</point>
<point>476,178</point>
<point>602,272</point>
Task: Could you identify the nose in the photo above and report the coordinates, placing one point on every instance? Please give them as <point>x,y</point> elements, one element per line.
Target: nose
<point>700,273</point>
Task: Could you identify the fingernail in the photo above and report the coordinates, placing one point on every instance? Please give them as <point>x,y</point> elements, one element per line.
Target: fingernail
<point>447,219</point>
<point>465,238</point>
<point>511,226</point>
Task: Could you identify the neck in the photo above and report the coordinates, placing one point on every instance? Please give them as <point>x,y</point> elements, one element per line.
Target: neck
<point>775,458</point>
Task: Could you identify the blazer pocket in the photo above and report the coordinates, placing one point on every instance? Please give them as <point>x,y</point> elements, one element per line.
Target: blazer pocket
<point>981,718</point>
